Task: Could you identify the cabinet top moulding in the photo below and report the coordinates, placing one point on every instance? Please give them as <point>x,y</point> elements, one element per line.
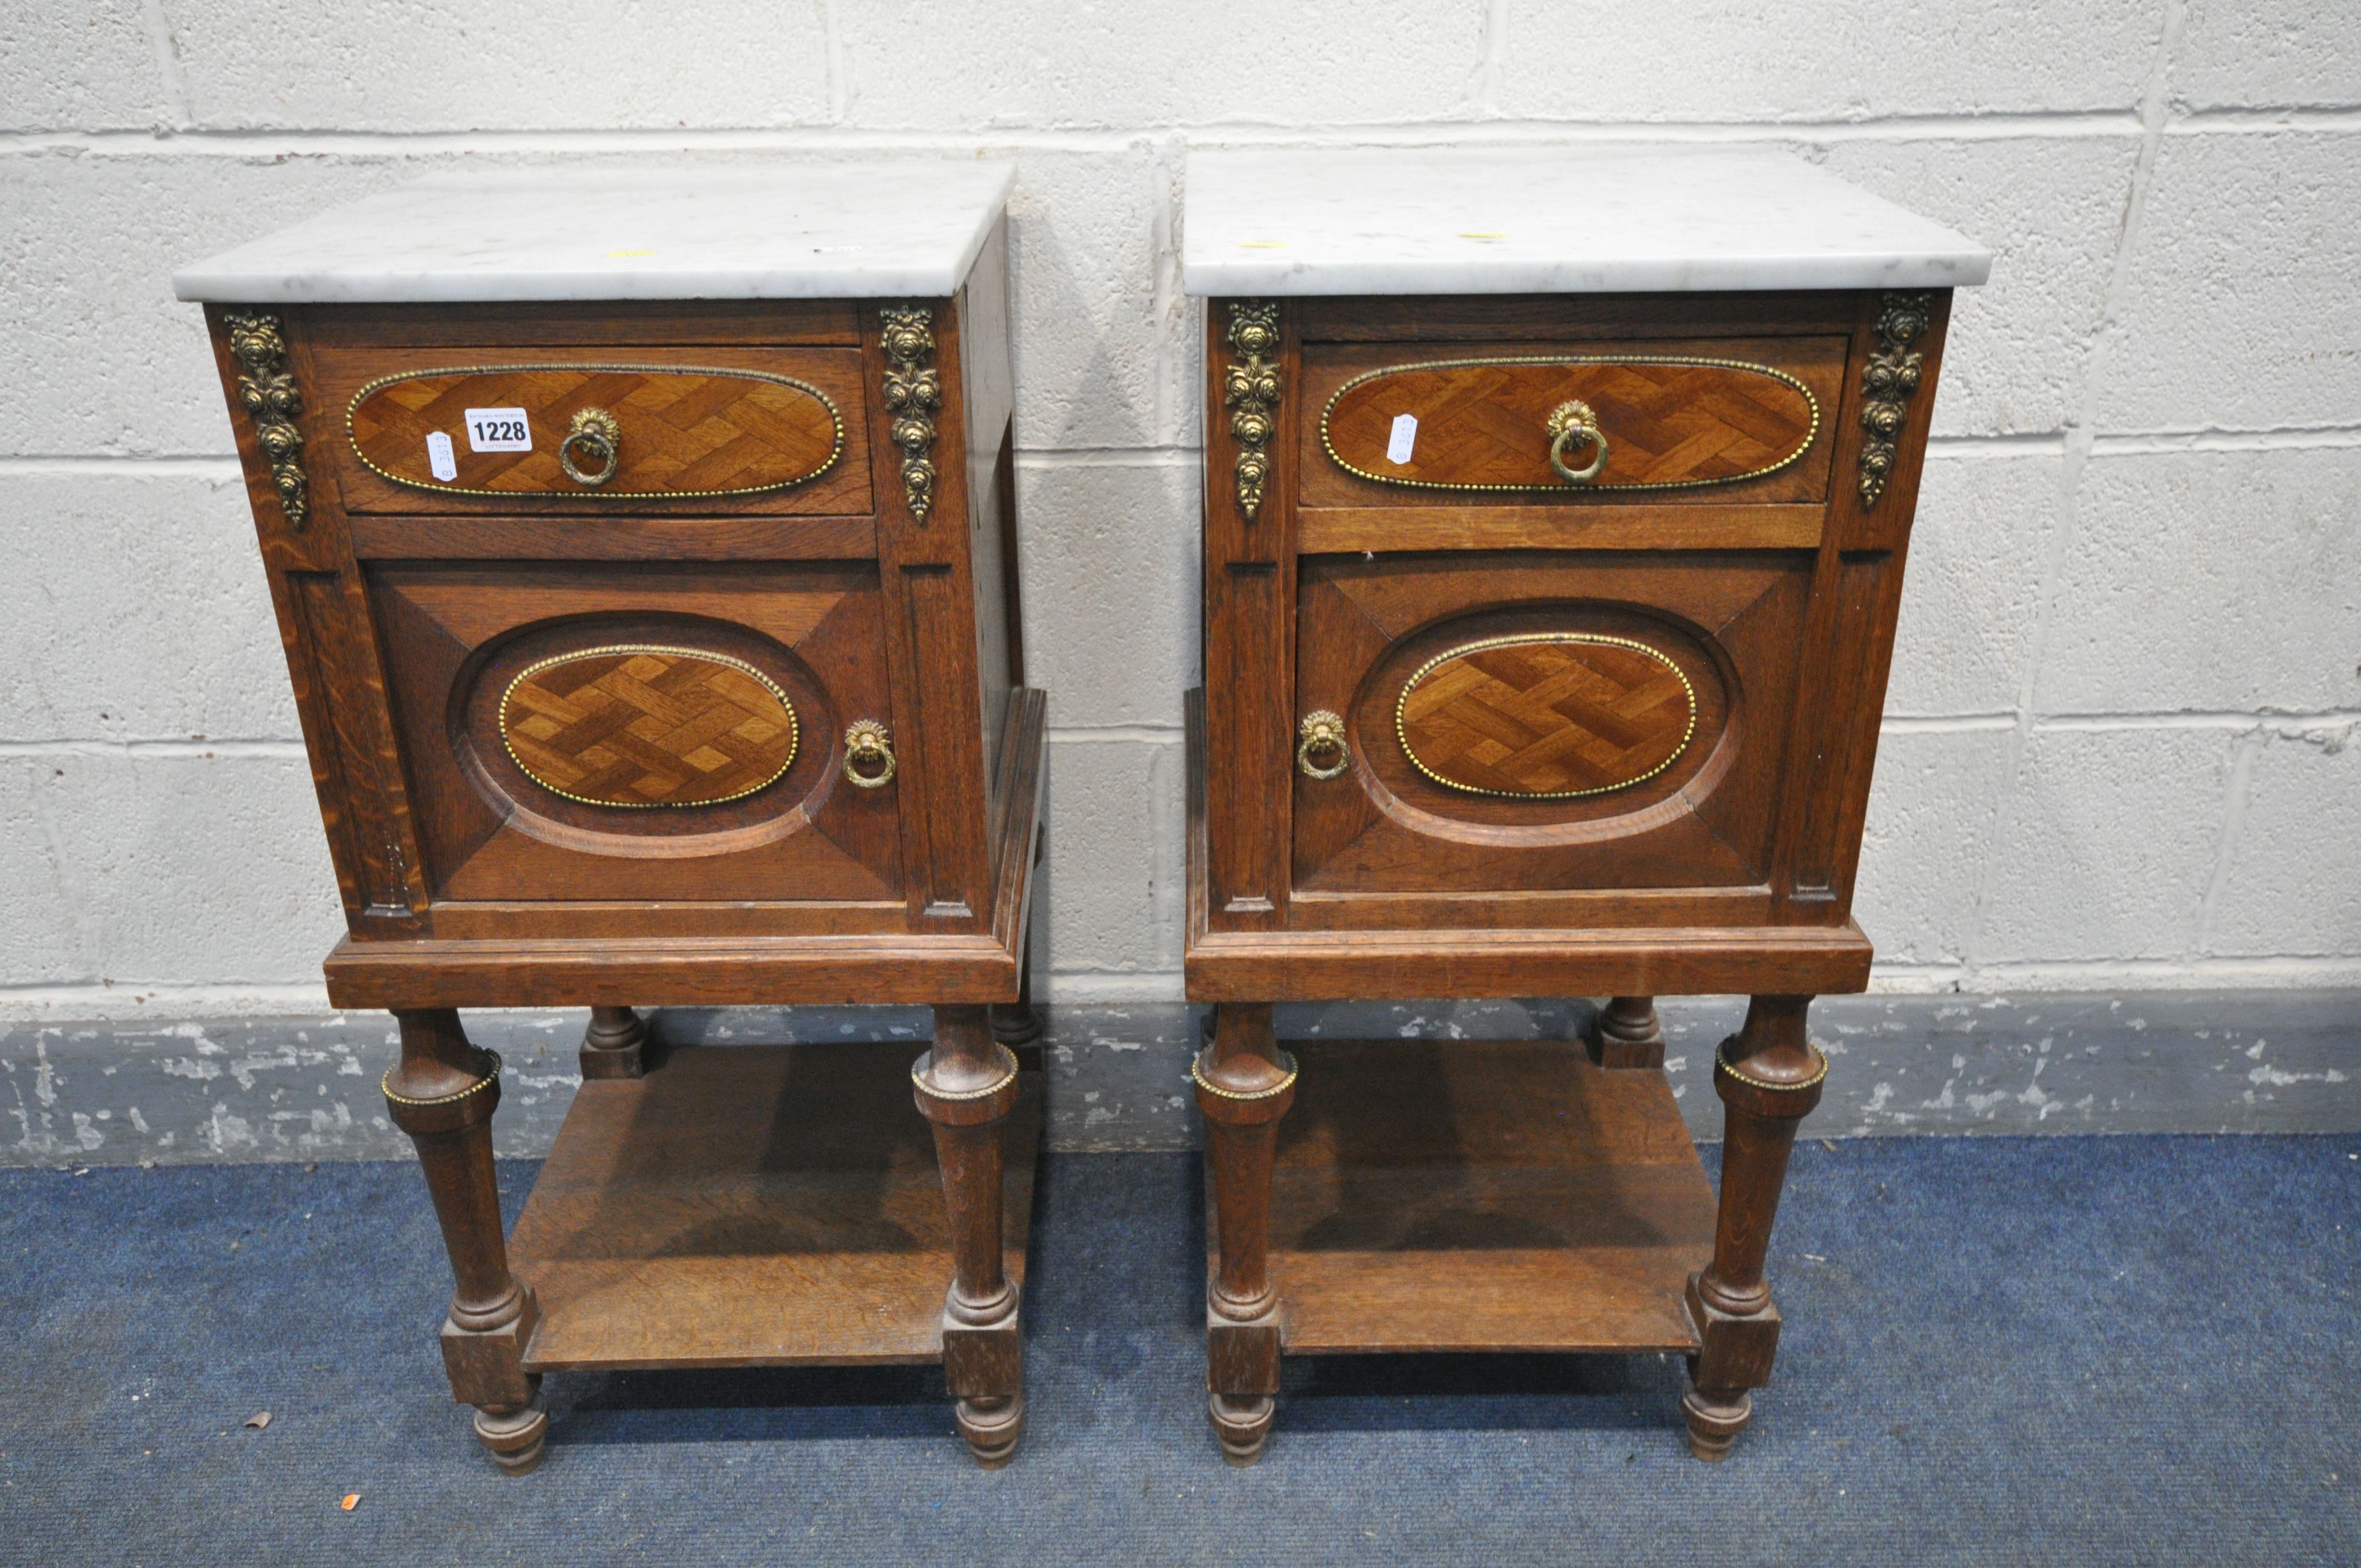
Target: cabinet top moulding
<point>898,229</point>
<point>1590,219</point>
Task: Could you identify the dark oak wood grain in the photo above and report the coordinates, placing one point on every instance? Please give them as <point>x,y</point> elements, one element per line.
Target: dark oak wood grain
<point>586,744</point>
<point>751,1206</point>
<point>1559,740</point>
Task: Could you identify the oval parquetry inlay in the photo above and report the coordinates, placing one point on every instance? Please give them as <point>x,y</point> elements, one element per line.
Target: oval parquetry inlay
<point>644,725</point>
<point>1547,715</point>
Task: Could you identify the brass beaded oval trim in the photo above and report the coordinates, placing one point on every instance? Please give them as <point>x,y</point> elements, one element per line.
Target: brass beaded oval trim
<point>511,728</point>
<point>1008,1076</point>
<point>1198,1078</point>
<point>1401,712</point>
<point>835,420</point>
<point>1721,1059</point>
<point>491,1070</point>
<point>1810,434</point>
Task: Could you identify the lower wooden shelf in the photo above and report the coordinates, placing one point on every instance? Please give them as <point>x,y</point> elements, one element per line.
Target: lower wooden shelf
<point>751,1206</point>
<point>1436,1195</point>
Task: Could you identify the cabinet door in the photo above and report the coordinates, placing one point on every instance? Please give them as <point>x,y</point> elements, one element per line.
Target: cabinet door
<point>596,732</point>
<point>1528,723</point>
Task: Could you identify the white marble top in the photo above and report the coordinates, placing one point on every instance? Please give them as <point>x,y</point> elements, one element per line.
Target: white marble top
<point>739,232</point>
<point>1590,219</point>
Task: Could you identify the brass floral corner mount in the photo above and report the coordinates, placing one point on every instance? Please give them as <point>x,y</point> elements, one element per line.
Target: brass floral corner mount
<point>272,401</point>
<point>913,395</point>
<point>1250,391</point>
<point>1886,386</point>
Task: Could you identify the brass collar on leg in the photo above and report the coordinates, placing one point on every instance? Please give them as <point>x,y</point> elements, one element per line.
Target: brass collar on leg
<point>1722,1061</point>
<point>489,1068</point>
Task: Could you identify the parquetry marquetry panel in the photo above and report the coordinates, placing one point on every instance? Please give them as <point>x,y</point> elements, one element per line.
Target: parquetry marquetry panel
<point>1484,423</point>
<point>684,432</point>
<point>648,725</point>
<point>1547,715</point>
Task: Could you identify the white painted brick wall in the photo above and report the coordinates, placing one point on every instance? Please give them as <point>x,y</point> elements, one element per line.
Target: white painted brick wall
<point>2121,737</point>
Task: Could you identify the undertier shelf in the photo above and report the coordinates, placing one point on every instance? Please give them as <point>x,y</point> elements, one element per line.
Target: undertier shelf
<point>1440,1195</point>
<point>751,1206</point>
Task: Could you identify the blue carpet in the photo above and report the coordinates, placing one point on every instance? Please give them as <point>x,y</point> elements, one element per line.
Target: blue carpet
<point>2087,1350</point>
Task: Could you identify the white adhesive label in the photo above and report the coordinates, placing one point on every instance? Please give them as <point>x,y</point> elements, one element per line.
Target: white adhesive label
<point>498,429</point>
<point>440,460</point>
<point>1405,437</point>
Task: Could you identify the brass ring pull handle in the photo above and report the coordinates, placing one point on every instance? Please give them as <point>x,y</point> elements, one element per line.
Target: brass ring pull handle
<point>868,755</point>
<point>596,435</point>
<point>1321,734</point>
<point>1570,420</point>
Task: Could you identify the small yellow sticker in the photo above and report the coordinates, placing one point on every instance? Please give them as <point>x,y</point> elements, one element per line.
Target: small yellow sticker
<point>1476,234</point>
<point>1262,245</point>
<point>620,255</point>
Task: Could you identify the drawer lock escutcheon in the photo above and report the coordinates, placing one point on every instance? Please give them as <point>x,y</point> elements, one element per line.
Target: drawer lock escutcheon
<point>596,439</point>
<point>1321,751</point>
<point>1574,420</point>
<point>868,755</point>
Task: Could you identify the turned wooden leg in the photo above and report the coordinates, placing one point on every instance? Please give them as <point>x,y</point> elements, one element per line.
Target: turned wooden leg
<point>611,1046</point>
<point>966,1086</point>
<point>1626,1034</point>
<point>442,1094</point>
<point>1245,1084</point>
<point>1769,1077</point>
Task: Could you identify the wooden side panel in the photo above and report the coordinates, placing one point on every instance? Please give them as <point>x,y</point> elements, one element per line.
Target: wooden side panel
<point>992,485</point>
<point>1250,585</point>
<point>1848,650</point>
<point>926,562</point>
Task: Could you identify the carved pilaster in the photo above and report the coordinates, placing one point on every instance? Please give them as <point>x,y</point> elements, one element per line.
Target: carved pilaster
<point>913,394</point>
<point>1887,387</point>
<point>272,401</point>
<point>1250,391</point>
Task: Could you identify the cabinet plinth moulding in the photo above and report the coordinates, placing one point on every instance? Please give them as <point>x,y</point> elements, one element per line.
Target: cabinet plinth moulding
<point>633,677</point>
<point>1547,617</point>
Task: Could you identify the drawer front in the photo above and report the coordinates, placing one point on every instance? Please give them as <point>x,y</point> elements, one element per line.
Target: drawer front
<point>1521,423</point>
<point>599,732</point>
<point>597,429</point>
<point>1531,721</point>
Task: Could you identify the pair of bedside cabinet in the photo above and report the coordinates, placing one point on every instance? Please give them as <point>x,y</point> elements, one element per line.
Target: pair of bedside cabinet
<point>645,557</point>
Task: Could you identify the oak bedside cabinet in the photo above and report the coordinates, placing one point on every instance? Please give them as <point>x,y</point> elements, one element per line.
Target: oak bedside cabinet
<point>1556,507</point>
<point>643,548</point>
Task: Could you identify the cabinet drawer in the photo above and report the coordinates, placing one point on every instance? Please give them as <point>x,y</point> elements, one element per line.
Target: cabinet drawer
<point>1536,721</point>
<point>632,731</point>
<point>597,430</point>
<point>1523,423</point>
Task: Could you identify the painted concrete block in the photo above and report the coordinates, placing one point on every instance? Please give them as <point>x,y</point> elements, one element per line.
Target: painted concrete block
<point>1205,62</point>
<point>186,868</point>
<point>1110,901</point>
<point>1110,582</point>
<point>2106,843</point>
<point>1972,598</point>
<point>1099,315</point>
<point>2236,54</point>
<point>135,609</point>
<point>2050,208</point>
<point>2210,581</point>
<point>1929,834</point>
<point>2292,884</point>
<point>80,67</point>
<point>101,357</point>
<point>1724,61</point>
<point>522,64</point>
<point>2238,310</point>
<point>38,931</point>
